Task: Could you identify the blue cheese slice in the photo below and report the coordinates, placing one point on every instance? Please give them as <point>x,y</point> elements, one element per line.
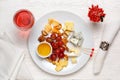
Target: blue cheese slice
<point>77,35</point>
<point>80,42</point>
<point>74,41</point>
<point>63,63</point>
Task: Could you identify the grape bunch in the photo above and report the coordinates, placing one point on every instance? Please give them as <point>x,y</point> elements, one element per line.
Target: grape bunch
<point>58,46</point>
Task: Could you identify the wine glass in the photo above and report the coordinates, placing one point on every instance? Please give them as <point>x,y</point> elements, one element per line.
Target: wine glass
<point>23,19</point>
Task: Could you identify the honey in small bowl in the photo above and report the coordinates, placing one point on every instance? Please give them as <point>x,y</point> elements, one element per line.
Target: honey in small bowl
<point>44,49</point>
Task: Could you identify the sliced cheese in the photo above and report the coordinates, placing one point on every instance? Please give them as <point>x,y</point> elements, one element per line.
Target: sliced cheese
<point>63,63</point>
<point>69,26</point>
<point>58,68</point>
<point>68,23</point>
<point>64,28</point>
<point>74,60</point>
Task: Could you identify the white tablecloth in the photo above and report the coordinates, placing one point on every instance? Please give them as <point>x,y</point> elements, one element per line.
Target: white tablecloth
<point>28,70</point>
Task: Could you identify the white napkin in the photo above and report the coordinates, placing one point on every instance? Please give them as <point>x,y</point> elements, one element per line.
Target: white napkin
<point>10,58</point>
<point>110,31</point>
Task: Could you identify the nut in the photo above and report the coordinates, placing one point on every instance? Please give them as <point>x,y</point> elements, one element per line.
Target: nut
<point>41,38</point>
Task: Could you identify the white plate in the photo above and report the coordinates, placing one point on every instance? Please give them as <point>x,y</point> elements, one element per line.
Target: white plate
<point>61,16</point>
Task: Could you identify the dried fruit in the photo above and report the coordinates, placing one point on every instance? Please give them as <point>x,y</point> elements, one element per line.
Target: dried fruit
<point>58,27</point>
<point>53,22</point>
<point>65,41</point>
<point>55,30</point>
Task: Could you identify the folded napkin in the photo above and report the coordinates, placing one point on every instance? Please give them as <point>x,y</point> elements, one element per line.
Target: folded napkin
<point>10,58</point>
<point>110,31</point>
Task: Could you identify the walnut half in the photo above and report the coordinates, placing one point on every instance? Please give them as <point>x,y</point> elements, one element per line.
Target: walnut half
<point>41,38</point>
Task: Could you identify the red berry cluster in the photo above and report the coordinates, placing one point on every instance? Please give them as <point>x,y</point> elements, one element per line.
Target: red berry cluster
<point>58,46</point>
<point>96,14</point>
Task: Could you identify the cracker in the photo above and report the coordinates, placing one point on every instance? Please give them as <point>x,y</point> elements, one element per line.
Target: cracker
<point>48,28</point>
